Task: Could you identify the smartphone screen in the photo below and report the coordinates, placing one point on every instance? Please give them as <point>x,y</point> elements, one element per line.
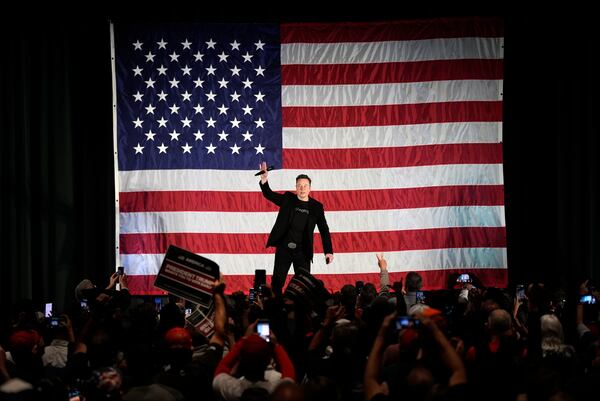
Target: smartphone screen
<point>463,278</point>
<point>520,292</point>
<point>587,299</point>
<point>158,303</point>
<point>251,295</point>
<point>420,297</point>
<point>263,330</point>
<point>48,310</point>
<point>404,322</point>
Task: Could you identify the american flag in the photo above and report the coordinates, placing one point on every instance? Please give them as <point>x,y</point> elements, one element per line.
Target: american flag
<point>399,125</point>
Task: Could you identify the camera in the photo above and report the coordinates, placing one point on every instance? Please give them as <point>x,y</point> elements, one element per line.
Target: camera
<point>263,329</point>
<point>404,322</point>
<point>587,300</point>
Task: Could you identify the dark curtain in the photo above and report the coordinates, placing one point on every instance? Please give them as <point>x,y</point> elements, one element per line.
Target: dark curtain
<point>56,157</point>
<point>551,162</point>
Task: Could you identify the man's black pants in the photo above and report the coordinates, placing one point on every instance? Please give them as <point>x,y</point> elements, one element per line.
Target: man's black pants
<point>284,257</point>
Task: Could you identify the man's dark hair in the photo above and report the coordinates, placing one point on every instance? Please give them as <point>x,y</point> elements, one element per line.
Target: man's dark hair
<point>414,282</point>
<point>301,176</point>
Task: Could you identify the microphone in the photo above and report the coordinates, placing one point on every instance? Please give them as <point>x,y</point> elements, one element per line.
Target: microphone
<point>263,171</point>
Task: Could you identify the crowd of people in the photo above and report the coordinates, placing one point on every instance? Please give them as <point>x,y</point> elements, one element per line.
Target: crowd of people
<point>373,342</point>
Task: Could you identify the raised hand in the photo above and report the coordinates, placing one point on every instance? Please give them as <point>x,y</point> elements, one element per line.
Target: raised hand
<point>381,262</point>
<point>264,176</point>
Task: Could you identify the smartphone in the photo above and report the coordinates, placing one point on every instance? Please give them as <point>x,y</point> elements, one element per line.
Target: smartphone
<point>359,286</point>
<point>48,310</point>
<point>521,292</point>
<point>420,297</point>
<point>260,277</point>
<point>158,303</point>
<point>404,322</point>
<point>54,321</point>
<point>120,270</point>
<point>188,312</point>
<point>84,306</point>
<point>463,278</point>
<point>263,329</point>
<point>587,299</point>
<point>251,295</point>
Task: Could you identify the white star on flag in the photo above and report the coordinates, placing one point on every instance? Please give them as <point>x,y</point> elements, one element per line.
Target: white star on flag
<point>138,123</point>
<point>235,149</point>
<point>138,149</point>
<point>211,149</point>
<point>259,149</point>
<point>174,135</point>
<point>187,148</point>
<point>162,148</point>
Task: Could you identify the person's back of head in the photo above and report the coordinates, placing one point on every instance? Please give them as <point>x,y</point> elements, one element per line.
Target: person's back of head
<point>368,294</point>
<point>418,384</point>
<point>320,388</point>
<point>255,394</point>
<point>255,356</point>
<point>499,322</point>
<point>287,391</point>
<point>413,281</point>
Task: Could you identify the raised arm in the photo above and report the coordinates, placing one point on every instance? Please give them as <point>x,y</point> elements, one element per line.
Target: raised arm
<point>384,277</point>
<point>371,378</point>
<point>220,314</point>
<point>266,189</point>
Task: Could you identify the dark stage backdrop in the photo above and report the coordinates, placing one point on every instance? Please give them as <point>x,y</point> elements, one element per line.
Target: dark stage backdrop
<point>56,157</point>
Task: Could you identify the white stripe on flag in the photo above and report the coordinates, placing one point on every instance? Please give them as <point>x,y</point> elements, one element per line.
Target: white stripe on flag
<point>431,259</point>
<point>330,180</point>
<point>391,135</point>
<point>392,51</point>
<point>346,221</point>
<point>391,93</point>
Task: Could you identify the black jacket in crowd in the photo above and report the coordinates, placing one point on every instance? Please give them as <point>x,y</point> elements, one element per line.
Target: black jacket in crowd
<point>316,217</point>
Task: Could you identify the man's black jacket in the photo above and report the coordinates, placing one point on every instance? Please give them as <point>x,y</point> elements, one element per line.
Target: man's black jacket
<point>316,216</point>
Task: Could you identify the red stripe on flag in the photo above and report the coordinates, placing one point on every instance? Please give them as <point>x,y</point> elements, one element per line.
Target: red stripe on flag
<point>376,73</point>
<point>391,30</point>
<point>432,279</point>
<point>427,155</point>
<point>396,114</point>
<point>397,198</point>
<point>385,241</point>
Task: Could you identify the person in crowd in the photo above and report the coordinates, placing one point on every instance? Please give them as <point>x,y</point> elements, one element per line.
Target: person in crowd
<point>247,366</point>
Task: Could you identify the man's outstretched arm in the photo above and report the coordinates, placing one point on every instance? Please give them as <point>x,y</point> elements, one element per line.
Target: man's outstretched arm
<point>325,237</point>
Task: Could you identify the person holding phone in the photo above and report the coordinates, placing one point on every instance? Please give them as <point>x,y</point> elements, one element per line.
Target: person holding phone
<point>292,234</point>
<point>246,365</point>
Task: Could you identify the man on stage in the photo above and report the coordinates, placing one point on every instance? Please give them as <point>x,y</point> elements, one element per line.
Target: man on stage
<point>292,234</point>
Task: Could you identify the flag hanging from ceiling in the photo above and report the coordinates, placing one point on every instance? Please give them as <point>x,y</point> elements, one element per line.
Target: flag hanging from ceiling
<point>399,125</point>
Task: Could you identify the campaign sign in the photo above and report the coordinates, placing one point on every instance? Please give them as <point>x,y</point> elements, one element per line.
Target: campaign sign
<point>187,275</point>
